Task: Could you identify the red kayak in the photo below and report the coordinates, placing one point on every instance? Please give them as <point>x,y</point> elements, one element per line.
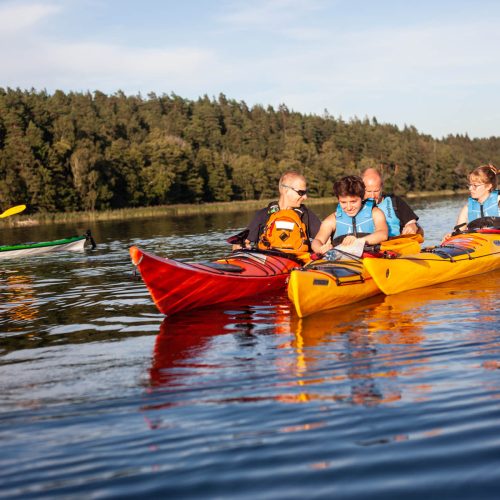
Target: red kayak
<point>178,286</point>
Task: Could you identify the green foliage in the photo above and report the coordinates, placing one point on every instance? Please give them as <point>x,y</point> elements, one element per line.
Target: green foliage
<point>84,151</point>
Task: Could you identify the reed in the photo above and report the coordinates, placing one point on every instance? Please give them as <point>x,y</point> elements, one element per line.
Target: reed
<point>132,213</point>
<point>172,210</point>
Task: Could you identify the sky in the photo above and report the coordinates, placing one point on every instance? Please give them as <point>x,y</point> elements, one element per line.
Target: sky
<point>434,65</point>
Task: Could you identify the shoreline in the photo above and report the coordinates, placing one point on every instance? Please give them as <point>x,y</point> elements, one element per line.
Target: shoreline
<point>176,210</point>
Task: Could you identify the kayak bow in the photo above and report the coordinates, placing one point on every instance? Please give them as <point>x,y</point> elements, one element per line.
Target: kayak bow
<point>178,286</point>
<point>460,256</point>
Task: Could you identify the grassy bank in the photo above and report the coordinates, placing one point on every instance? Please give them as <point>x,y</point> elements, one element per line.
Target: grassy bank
<point>172,210</point>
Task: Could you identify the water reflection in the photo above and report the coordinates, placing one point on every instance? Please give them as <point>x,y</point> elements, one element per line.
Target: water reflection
<point>17,298</point>
<point>364,354</point>
<point>336,358</point>
<point>185,339</point>
<point>182,338</point>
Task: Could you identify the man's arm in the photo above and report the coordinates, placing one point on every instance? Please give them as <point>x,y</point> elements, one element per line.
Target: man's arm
<point>407,217</point>
<point>314,223</point>
<point>258,220</point>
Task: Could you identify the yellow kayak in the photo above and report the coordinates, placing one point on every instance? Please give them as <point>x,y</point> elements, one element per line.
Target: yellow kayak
<point>325,284</point>
<point>459,256</point>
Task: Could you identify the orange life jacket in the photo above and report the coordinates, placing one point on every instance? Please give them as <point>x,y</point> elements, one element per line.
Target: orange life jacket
<point>285,231</point>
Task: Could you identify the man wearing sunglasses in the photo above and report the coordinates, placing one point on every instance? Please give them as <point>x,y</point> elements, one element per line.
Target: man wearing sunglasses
<point>401,219</point>
<point>292,194</point>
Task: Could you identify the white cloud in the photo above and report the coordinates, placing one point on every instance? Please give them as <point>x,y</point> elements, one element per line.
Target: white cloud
<point>438,78</point>
<point>30,57</point>
<point>267,13</point>
<point>443,47</point>
<point>105,67</point>
<point>16,18</point>
<point>427,56</point>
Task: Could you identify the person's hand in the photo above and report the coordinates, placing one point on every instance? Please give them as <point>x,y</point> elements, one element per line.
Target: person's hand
<point>325,248</point>
<point>238,246</point>
<point>410,228</point>
<point>350,239</point>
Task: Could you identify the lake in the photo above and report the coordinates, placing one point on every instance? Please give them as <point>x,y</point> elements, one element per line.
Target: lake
<point>101,396</point>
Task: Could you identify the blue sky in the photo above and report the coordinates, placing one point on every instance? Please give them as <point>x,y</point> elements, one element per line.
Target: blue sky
<point>431,64</point>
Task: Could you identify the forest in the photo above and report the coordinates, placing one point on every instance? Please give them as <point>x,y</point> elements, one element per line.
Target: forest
<point>78,151</point>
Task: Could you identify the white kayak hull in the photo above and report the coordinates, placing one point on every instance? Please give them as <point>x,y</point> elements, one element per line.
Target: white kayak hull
<point>76,244</point>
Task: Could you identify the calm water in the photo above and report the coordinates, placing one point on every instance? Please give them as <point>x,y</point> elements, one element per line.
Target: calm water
<point>101,396</point>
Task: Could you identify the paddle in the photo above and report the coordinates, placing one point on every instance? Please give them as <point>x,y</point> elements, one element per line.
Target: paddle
<point>13,211</point>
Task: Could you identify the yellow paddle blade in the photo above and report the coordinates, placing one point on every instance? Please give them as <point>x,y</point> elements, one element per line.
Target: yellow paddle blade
<point>12,211</point>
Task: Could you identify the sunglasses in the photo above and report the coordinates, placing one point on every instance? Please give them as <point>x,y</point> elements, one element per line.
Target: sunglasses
<point>300,192</point>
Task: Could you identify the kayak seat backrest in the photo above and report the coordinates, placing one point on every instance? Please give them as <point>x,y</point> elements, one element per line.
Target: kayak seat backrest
<point>226,268</point>
<point>484,222</point>
<point>338,271</point>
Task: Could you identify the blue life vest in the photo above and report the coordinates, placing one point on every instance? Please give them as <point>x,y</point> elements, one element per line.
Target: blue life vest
<point>393,222</point>
<point>489,208</point>
<point>362,222</point>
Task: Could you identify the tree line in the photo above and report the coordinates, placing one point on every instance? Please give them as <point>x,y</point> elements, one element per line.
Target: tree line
<point>91,151</point>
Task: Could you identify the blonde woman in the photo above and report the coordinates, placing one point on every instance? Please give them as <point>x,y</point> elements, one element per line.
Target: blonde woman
<point>484,198</point>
